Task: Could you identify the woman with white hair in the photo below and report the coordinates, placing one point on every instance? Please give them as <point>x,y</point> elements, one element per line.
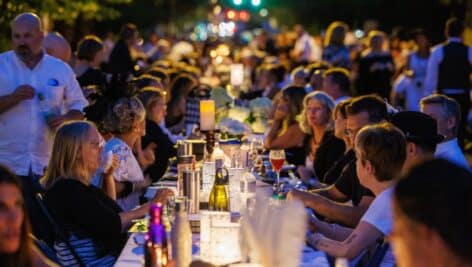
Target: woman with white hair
<point>323,148</point>
<point>126,121</point>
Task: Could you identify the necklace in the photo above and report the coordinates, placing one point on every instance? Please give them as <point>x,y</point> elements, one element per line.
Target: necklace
<point>313,140</point>
<point>314,146</point>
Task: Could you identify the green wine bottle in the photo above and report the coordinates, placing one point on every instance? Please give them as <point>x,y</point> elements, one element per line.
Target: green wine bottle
<point>218,196</point>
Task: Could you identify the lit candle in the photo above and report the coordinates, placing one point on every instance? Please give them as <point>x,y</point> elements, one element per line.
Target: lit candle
<point>207,115</point>
<point>236,74</point>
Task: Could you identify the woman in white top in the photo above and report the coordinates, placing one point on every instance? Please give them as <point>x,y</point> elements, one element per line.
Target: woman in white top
<point>126,121</point>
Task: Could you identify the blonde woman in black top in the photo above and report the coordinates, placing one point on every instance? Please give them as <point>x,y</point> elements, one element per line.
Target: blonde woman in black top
<point>97,225</point>
<point>323,148</point>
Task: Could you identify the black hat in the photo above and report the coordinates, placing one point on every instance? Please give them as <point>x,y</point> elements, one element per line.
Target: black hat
<point>417,126</point>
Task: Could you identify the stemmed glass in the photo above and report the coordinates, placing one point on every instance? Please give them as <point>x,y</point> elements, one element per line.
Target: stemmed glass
<point>256,149</point>
<point>277,159</point>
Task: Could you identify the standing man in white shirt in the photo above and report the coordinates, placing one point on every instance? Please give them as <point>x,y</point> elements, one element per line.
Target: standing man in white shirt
<point>37,94</point>
<point>305,50</point>
<point>449,69</point>
<point>446,112</point>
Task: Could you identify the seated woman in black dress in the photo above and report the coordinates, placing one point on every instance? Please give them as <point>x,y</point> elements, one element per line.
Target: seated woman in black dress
<point>322,146</point>
<point>96,223</point>
<point>340,117</point>
<point>155,105</point>
<point>90,54</point>
<point>284,132</point>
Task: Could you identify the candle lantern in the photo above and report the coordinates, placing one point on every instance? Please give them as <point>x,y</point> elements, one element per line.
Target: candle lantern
<point>207,115</point>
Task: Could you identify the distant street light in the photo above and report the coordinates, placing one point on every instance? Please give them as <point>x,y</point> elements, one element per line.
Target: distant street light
<point>237,2</point>
<point>217,10</point>
<point>231,14</point>
<point>264,12</point>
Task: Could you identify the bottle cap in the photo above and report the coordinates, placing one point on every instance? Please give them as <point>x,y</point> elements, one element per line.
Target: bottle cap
<point>180,206</point>
<point>155,210</point>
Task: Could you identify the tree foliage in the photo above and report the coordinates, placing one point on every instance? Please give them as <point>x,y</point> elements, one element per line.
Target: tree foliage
<point>61,10</point>
<point>65,11</point>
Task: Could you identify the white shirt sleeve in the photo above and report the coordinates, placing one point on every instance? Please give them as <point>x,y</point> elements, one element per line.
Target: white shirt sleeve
<point>401,83</point>
<point>432,72</point>
<point>379,213</point>
<point>74,98</point>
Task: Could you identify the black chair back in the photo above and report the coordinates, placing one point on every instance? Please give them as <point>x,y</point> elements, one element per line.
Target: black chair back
<point>61,234</point>
<point>45,249</point>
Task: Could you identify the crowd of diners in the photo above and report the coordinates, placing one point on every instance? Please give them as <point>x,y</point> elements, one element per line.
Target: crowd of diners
<point>89,131</point>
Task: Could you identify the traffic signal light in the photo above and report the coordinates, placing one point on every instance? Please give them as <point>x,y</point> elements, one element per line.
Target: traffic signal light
<point>256,2</point>
<point>244,15</point>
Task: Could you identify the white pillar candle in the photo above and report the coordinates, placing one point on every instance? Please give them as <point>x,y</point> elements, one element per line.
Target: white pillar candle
<point>207,115</point>
<point>236,74</point>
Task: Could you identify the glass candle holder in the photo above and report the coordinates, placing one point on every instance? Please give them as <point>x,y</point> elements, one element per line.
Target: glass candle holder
<point>224,243</point>
<point>207,220</point>
<point>235,175</point>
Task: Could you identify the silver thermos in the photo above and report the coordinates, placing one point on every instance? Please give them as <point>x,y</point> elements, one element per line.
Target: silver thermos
<point>191,186</point>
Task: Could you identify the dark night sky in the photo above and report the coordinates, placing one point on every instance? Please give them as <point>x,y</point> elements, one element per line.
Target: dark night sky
<point>314,14</point>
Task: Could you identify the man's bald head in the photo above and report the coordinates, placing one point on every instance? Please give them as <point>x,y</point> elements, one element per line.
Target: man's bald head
<point>27,35</point>
<point>58,47</point>
<point>28,18</point>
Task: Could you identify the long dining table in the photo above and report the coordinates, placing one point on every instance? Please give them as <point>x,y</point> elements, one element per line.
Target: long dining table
<point>132,254</point>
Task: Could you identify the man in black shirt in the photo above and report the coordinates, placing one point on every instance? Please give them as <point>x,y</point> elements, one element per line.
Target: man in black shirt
<point>331,202</point>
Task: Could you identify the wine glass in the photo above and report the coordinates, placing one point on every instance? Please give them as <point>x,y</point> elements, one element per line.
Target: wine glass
<point>277,159</point>
<point>170,208</point>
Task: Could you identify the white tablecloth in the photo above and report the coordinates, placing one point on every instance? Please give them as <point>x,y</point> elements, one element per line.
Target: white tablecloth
<point>132,255</point>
